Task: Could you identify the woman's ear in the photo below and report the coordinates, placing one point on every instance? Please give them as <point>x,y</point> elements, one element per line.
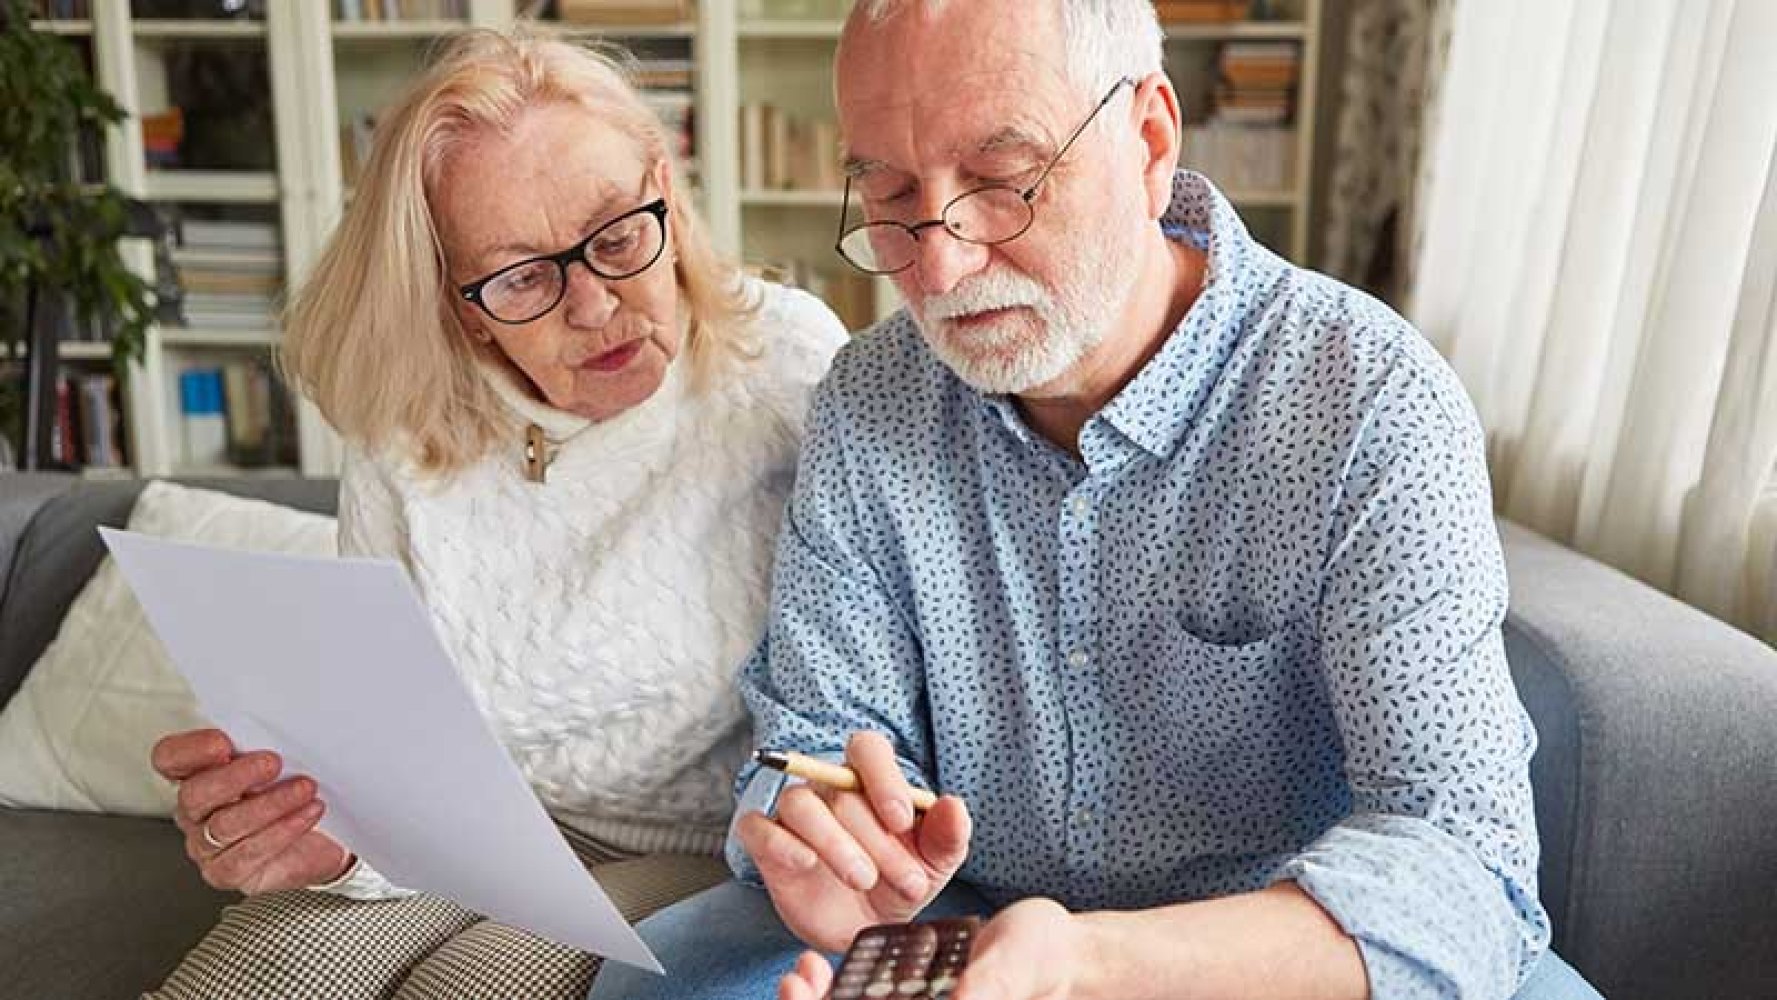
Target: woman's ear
<point>663,180</point>
<point>469,321</point>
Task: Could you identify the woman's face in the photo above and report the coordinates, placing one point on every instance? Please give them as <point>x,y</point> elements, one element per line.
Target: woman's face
<point>557,177</point>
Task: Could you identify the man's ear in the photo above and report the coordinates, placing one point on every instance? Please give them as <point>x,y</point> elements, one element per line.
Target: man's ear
<point>1159,126</point>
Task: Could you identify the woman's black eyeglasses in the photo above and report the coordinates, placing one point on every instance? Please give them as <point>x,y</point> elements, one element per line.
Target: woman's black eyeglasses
<point>622,248</point>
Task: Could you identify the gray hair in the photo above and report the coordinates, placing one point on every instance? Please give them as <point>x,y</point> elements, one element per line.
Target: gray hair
<point>1102,40</point>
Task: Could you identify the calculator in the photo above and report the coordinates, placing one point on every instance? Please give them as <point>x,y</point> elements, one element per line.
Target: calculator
<point>917,961</point>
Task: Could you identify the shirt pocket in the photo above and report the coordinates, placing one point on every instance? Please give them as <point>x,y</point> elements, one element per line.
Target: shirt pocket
<point>1235,698</point>
<point>1255,748</point>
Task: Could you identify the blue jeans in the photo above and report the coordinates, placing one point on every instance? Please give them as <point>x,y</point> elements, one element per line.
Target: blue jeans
<point>727,943</point>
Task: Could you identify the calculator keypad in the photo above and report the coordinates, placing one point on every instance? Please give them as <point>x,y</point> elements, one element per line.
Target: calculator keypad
<point>919,961</point>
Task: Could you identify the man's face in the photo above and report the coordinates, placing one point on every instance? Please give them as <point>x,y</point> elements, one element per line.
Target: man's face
<point>933,105</point>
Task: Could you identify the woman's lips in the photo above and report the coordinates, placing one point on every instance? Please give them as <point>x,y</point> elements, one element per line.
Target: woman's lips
<point>615,359</point>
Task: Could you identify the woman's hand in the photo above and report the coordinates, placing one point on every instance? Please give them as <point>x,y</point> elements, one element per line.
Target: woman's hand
<point>246,829</point>
<point>837,862</point>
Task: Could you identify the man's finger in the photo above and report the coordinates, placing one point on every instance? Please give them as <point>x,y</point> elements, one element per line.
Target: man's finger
<point>809,980</point>
<point>807,815</point>
<point>892,856</point>
<point>872,756</point>
<point>774,849</point>
<point>944,836</point>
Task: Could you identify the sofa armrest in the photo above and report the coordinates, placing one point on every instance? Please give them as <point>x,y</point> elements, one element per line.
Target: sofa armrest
<point>1655,781</point>
<point>21,495</point>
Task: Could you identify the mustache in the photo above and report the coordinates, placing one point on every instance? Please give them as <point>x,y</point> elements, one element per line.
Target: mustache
<point>986,293</point>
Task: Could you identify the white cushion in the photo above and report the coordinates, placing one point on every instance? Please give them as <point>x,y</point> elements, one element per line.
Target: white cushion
<point>78,733</point>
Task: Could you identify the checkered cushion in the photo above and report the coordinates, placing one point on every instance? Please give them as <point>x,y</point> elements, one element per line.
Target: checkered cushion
<point>308,944</point>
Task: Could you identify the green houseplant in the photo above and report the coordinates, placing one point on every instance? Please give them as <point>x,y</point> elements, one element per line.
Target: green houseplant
<point>58,235</point>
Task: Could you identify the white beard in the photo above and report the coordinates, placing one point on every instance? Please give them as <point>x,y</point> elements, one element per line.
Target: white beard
<point>1050,332</point>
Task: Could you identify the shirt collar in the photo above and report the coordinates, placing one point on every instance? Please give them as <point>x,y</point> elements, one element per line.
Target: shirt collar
<point>1155,409</point>
<point>1157,406</point>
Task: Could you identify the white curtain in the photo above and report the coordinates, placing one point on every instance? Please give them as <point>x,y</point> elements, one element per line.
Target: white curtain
<point>1598,259</point>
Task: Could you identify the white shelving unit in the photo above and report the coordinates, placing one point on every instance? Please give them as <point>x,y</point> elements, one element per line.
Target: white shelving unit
<point>1278,215</point>
<point>322,73</point>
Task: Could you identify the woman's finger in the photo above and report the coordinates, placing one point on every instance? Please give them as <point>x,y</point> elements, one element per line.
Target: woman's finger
<point>181,755</point>
<point>240,820</point>
<point>207,791</point>
<point>236,866</point>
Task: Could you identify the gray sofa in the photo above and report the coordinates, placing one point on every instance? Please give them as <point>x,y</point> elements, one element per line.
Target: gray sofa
<point>1655,784</point>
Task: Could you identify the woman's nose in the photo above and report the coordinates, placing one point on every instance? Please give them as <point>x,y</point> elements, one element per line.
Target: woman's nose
<point>589,302</point>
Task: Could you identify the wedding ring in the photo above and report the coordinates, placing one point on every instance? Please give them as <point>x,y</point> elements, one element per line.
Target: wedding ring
<point>210,838</point>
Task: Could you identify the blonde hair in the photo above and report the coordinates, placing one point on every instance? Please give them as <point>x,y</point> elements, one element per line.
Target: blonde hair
<point>356,338</point>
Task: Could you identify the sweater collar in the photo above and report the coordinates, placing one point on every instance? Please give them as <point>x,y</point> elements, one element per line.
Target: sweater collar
<point>647,426</point>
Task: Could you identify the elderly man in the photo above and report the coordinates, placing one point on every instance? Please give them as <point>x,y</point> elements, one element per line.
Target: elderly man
<point>1170,564</point>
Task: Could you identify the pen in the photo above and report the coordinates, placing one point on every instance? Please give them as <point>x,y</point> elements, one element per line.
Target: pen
<point>832,775</point>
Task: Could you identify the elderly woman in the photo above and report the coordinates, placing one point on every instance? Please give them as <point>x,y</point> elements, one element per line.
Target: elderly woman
<point>576,427</point>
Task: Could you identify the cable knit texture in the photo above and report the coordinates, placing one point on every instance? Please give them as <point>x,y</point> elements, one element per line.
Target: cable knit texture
<point>598,618</point>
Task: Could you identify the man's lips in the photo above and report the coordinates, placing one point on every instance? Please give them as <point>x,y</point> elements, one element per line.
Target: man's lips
<point>614,359</point>
<point>984,316</point>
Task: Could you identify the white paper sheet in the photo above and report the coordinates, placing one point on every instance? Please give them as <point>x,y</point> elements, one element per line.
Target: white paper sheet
<point>334,664</point>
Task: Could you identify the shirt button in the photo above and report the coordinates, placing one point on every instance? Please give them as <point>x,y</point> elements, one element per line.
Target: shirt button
<point>1082,817</point>
<point>1077,658</point>
<point>1080,506</point>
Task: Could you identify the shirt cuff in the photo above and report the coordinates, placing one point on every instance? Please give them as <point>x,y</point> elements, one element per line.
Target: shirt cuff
<point>759,795</point>
<point>360,881</point>
<point>1429,920</point>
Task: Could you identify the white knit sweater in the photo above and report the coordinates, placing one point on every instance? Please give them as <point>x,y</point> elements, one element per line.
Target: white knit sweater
<point>598,618</point>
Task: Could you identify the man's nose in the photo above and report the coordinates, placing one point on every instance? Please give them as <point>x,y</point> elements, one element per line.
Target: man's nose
<point>941,260</point>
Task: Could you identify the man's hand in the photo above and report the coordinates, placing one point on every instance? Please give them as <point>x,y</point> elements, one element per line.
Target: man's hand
<point>837,862</point>
<point>265,826</point>
<point>1032,950</point>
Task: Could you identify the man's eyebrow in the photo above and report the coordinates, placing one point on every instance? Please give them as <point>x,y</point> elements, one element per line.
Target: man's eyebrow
<point>1009,138</point>
<point>1012,137</point>
<point>858,166</point>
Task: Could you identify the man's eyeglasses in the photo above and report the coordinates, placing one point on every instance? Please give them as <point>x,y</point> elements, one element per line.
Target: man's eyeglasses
<point>622,248</point>
<point>993,213</point>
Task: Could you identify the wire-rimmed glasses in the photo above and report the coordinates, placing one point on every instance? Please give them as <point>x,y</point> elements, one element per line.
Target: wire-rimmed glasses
<point>992,213</point>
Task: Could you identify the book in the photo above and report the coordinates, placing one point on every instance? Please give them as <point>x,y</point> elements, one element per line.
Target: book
<point>228,233</point>
<point>783,152</point>
<point>98,421</point>
<point>623,12</point>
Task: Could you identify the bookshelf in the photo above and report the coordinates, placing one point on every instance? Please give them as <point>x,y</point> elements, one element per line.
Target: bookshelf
<point>1247,72</point>
<point>85,421</point>
<point>314,74</point>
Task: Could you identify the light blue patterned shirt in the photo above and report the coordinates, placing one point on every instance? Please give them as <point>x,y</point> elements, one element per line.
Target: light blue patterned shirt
<point>1253,635</point>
